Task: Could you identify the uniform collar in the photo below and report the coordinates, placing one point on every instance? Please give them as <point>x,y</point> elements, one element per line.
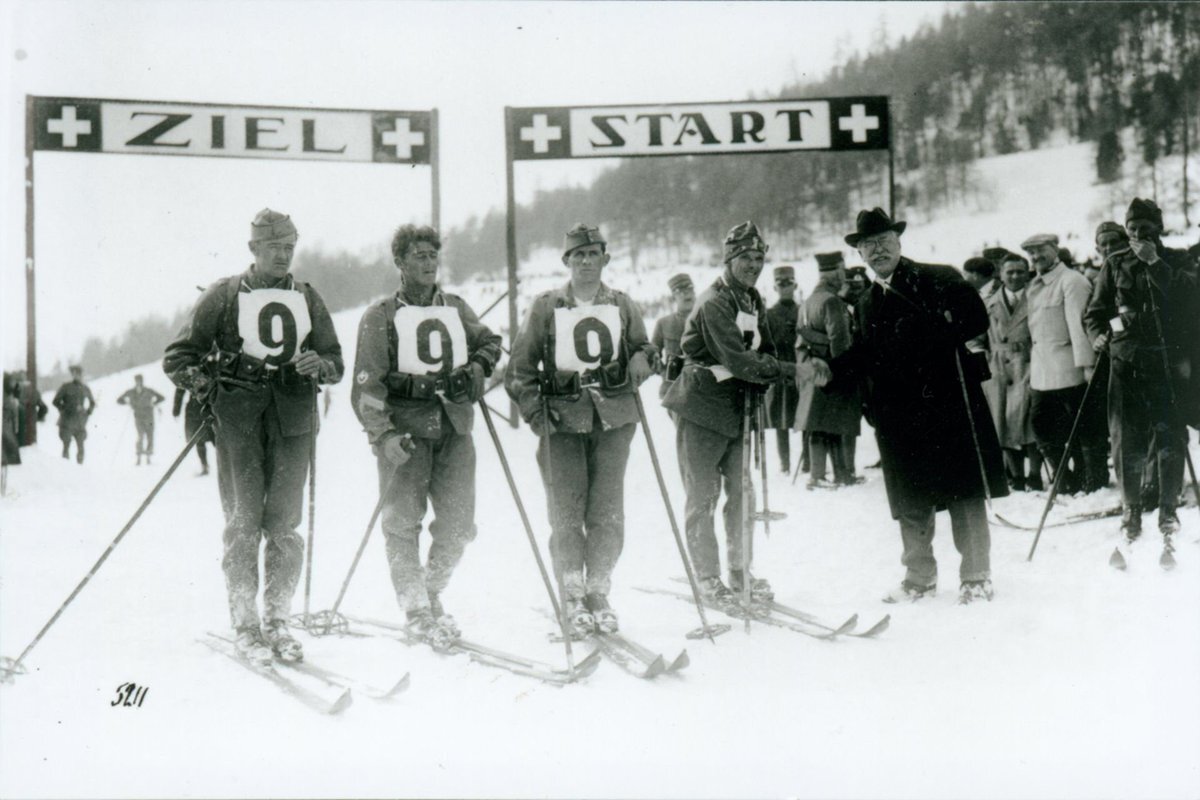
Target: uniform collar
<point>405,298</point>
<point>604,295</point>
<point>254,280</point>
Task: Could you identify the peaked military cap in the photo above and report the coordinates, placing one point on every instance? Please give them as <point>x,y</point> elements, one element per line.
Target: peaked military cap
<point>1111,227</point>
<point>1144,209</point>
<point>785,273</point>
<point>743,239</point>
<point>828,261</point>
<point>680,280</point>
<point>272,226</point>
<point>1039,239</point>
<point>869,223</point>
<point>854,272</point>
<point>582,234</point>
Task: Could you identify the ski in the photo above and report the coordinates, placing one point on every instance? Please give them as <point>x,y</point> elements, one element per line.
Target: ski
<point>1167,559</point>
<point>795,613</point>
<point>332,678</point>
<point>337,700</point>
<point>761,613</point>
<point>488,656</point>
<point>1074,519</point>
<point>634,658</point>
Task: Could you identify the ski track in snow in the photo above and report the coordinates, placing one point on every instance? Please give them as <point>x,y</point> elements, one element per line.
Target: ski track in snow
<point>1075,681</point>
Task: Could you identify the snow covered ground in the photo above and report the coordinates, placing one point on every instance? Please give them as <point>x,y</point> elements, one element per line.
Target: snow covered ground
<point>1076,681</point>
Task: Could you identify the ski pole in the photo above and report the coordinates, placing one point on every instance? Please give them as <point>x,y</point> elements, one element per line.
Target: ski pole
<point>747,503</point>
<point>312,503</point>
<point>1062,461</point>
<point>705,628</point>
<point>766,515</point>
<point>559,608</point>
<point>12,668</point>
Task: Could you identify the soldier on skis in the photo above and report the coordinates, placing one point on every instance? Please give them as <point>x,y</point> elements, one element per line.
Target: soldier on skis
<point>727,365</point>
<point>422,360</point>
<point>75,404</point>
<point>255,348</point>
<point>577,360</point>
<point>668,330</point>
<point>923,397</point>
<point>1144,310</point>
<point>142,400</point>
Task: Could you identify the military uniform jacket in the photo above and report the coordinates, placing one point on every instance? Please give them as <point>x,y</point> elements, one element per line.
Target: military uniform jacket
<point>782,395</point>
<point>75,404</point>
<point>668,331</point>
<point>1061,346</point>
<point>1010,353</point>
<point>214,329</point>
<point>142,401</point>
<point>382,412</point>
<point>534,348</point>
<point>824,332</point>
<point>716,346</point>
<point>911,334</point>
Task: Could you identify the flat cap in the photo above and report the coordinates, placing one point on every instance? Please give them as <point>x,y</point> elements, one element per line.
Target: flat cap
<point>1039,239</point>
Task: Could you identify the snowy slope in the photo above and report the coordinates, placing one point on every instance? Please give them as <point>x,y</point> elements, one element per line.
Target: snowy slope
<point>1077,681</point>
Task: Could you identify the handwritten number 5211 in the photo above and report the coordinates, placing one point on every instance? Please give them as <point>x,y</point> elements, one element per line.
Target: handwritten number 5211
<point>130,694</point>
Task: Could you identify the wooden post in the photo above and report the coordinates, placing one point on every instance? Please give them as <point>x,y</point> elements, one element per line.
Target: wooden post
<point>891,164</point>
<point>510,235</point>
<point>435,173</point>
<point>31,365</point>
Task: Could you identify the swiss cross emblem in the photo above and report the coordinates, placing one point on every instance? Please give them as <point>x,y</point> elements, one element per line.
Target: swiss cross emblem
<point>858,123</point>
<point>401,138</point>
<point>63,124</point>
<point>541,133</point>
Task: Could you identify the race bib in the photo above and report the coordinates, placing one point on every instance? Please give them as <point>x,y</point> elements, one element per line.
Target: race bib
<point>586,337</point>
<point>273,323</point>
<point>429,339</point>
<point>748,325</point>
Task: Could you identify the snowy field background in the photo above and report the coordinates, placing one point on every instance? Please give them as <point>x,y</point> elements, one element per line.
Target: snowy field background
<point>1075,682</point>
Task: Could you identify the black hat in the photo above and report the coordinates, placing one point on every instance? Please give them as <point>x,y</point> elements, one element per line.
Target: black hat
<point>1144,209</point>
<point>982,266</point>
<point>872,222</point>
<point>995,254</point>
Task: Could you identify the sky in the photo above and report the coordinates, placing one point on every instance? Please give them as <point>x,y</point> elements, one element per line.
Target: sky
<point>119,237</point>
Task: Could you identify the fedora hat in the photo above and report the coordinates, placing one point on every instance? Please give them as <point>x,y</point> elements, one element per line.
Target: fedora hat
<point>872,222</point>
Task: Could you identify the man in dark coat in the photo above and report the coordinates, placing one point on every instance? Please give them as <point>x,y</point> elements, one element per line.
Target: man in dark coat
<point>193,415</point>
<point>1144,310</point>
<point>75,404</point>
<point>576,362</point>
<point>668,330</point>
<point>421,362</point>
<point>727,366</point>
<point>270,341</point>
<point>916,322</point>
<point>828,411</point>
<point>856,285</point>
<point>781,395</point>
<point>143,401</point>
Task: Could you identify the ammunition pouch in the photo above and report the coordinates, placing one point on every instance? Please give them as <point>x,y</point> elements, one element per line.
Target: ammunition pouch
<point>247,372</point>
<point>612,378</point>
<point>672,368</point>
<point>406,386</point>
<point>564,384</point>
<point>459,384</point>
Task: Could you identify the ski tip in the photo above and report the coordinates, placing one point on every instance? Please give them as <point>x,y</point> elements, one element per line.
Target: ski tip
<point>401,685</point>
<point>681,661</point>
<point>589,664</point>
<point>1116,560</point>
<point>847,626</point>
<point>657,667</point>
<point>1167,561</point>
<point>344,701</point>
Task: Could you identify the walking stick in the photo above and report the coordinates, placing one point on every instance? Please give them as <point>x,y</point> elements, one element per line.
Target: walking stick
<point>705,629</point>
<point>559,608</point>
<point>1062,461</point>
<point>10,667</point>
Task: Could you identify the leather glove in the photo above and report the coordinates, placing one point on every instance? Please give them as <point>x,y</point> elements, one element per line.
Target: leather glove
<point>398,449</point>
<point>1100,343</point>
<point>537,422</point>
<point>639,368</point>
<point>478,382</point>
<point>201,385</point>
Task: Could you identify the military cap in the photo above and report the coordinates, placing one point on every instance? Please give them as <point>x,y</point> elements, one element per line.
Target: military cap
<point>869,223</point>
<point>582,234</point>
<point>828,261</point>
<point>272,226</point>
<point>1111,227</point>
<point>75,368</point>
<point>995,254</point>
<point>855,272</point>
<point>1039,239</point>
<point>680,280</point>
<point>979,265</point>
<point>743,239</point>
<point>785,273</point>
<point>1144,209</point>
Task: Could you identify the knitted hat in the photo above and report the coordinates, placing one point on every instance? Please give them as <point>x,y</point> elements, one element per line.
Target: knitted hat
<point>1144,209</point>
<point>743,238</point>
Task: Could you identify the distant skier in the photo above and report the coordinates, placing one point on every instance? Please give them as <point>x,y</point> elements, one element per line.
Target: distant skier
<point>75,404</point>
<point>421,363</point>
<point>727,364</point>
<point>581,353</point>
<point>143,401</point>
<point>916,321</point>
<point>193,415</point>
<point>11,450</point>
<point>668,330</point>
<point>273,342</point>
<point>782,395</point>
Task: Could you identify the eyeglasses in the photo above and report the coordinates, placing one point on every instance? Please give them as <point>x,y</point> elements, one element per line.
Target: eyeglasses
<point>871,245</point>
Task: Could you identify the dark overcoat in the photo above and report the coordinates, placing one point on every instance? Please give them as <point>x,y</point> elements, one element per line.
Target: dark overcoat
<point>910,349</point>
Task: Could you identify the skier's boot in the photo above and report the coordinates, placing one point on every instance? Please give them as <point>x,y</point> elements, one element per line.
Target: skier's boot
<point>251,646</point>
<point>1131,523</point>
<point>283,644</point>
<point>909,592</point>
<point>422,624</point>
<point>760,589</point>
<point>1168,522</point>
<point>717,593</point>
<point>580,621</point>
<point>602,613</point>
<point>971,591</point>
<point>445,620</point>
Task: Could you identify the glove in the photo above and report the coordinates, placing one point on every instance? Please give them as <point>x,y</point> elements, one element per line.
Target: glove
<point>200,384</point>
<point>1100,343</point>
<point>398,449</point>
<point>537,422</point>
<point>478,381</point>
<point>639,368</point>
<point>309,364</point>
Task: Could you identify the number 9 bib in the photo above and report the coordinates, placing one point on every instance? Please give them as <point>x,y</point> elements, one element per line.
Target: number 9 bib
<point>429,339</point>
<point>273,323</point>
<point>586,337</point>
